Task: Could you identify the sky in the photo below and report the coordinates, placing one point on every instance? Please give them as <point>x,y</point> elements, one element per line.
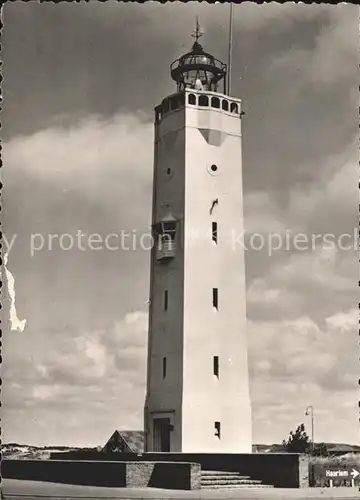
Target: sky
<point>80,85</point>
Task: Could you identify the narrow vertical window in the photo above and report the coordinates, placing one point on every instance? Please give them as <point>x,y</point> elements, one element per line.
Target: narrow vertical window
<point>214,232</point>
<point>234,108</point>
<point>203,100</point>
<point>215,298</point>
<point>192,99</point>
<point>166,106</point>
<point>217,429</point>
<point>215,102</point>
<point>166,300</point>
<point>216,366</point>
<point>164,368</point>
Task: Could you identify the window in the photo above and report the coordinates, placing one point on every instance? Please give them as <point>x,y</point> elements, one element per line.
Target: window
<point>214,232</point>
<point>215,102</point>
<point>174,103</point>
<point>225,105</point>
<point>234,107</point>
<point>213,169</point>
<point>216,366</point>
<point>165,233</point>
<point>192,99</point>
<point>215,298</point>
<point>203,100</point>
<point>166,106</point>
<point>217,429</point>
<point>166,300</point>
<point>167,229</point>
<point>164,368</point>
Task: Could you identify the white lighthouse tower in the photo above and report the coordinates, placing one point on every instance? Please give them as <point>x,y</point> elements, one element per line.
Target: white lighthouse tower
<point>197,380</point>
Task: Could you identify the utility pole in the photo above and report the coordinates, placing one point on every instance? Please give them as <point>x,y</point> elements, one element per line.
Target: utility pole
<point>310,412</point>
<point>230,48</point>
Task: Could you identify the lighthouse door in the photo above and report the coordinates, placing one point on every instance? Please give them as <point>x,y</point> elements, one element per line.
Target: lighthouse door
<point>161,434</point>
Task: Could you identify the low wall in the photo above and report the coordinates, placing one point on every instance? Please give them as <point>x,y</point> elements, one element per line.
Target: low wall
<point>283,470</point>
<point>133,474</point>
<point>62,471</point>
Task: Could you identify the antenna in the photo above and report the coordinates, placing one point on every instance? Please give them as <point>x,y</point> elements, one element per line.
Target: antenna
<point>198,32</point>
<point>230,48</point>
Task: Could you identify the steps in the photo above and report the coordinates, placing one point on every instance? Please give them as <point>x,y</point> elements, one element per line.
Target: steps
<point>211,479</point>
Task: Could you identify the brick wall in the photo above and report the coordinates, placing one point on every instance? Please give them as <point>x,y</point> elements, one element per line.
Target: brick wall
<point>138,474</point>
<point>304,476</point>
<point>195,477</point>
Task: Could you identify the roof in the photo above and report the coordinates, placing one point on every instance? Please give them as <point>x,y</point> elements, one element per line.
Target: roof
<point>127,441</point>
<point>134,439</point>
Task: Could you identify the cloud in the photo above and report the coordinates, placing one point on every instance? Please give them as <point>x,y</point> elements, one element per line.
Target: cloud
<point>94,177</point>
<point>342,322</point>
<point>258,292</point>
<point>312,244</point>
<point>294,364</point>
<point>331,59</point>
<point>334,59</point>
<point>248,16</point>
<point>302,329</point>
<point>333,191</point>
<point>262,214</point>
<point>77,374</point>
<point>93,156</point>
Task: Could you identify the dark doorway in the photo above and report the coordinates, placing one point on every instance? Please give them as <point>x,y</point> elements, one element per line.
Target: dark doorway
<point>162,434</point>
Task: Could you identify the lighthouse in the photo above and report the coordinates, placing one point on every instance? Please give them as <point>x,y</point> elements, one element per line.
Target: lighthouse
<point>197,395</point>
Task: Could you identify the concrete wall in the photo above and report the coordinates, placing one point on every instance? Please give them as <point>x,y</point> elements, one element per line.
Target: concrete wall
<point>164,395</point>
<point>70,472</point>
<point>191,332</point>
<point>208,331</point>
<point>134,474</point>
<point>283,470</point>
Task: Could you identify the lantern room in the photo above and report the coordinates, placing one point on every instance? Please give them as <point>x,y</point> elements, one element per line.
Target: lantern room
<point>198,69</point>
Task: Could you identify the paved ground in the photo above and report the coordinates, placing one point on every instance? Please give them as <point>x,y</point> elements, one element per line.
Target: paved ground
<point>14,489</point>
